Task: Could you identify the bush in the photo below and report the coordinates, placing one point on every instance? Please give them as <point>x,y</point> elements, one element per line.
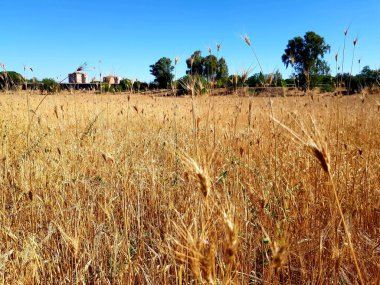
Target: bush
<point>125,84</point>
<point>222,82</point>
<point>355,83</point>
<point>10,80</point>
<point>144,86</point>
<point>50,85</point>
<point>109,88</point>
<point>326,83</point>
<point>368,77</point>
<point>196,82</point>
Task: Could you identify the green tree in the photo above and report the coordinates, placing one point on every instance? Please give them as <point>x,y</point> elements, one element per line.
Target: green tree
<point>369,77</point>
<point>126,84</point>
<point>277,79</point>
<point>256,80</point>
<point>33,80</point>
<point>163,71</point>
<point>356,82</point>
<point>222,73</point>
<point>10,80</point>
<point>195,64</point>
<point>321,67</point>
<point>192,84</point>
<point>141,86</point>
<point>306,56</point>
<point>50,85</point>
<point>208,67</point>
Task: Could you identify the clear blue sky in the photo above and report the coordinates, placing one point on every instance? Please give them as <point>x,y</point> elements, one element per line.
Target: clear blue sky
<point>56,36</point>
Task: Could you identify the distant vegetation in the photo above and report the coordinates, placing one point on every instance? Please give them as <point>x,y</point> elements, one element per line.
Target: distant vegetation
<point>10,80</point>
<point>303,54</point>
<point>50,85</point>
<point>163,71</point>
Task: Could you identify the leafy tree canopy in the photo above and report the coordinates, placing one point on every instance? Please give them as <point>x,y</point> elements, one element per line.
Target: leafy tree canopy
<point>163,71</point>
<point>273,79</point>
<point>10,79</point>
<point>195,64</point>
<point>370,77</point>
<point>222,72</point>
<point>50,85</point>
<point>306,54</point>
<point>209,67</point>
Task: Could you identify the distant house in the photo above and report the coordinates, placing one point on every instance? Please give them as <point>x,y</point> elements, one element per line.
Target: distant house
<point>111,79</point>
<point>78,78</point>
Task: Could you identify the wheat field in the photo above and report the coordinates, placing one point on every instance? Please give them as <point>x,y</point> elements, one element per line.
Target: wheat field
<point>129,189</point>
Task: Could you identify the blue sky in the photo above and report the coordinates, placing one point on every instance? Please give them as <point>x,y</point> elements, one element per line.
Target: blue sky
<point>125,37</point>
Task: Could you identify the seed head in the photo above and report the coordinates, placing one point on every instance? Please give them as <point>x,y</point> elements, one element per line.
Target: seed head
<point>218,47</point>
<point>82,67</point>
<point>235,79</point>
<point>247,40</point>
<point>321,154</point>
<point>176,60</point>
<point>336,56</point>
<point>244,75</point>
<point>270,78</point>
<point>209,50</point>
<point>279,255</point>
<point>203,178</point>
<point>355,41</point>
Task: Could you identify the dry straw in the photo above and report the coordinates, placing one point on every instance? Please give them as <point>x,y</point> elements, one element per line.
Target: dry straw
<point>248,42</point>
<point>345,32</point>
<point>336,68</point>
<point>352,63</point>
<point>218,46</point>
<point>314,142</point>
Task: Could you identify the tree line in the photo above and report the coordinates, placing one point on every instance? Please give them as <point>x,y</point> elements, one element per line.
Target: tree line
<point>304,55</point>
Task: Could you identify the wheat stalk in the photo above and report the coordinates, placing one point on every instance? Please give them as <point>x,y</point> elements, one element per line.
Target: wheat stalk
<point>319,150</point>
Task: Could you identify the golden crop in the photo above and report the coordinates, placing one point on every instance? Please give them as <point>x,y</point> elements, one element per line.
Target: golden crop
<point>114,189</point>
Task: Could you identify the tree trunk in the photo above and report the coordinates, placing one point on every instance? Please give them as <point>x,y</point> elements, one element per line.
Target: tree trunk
<point>307,78</point>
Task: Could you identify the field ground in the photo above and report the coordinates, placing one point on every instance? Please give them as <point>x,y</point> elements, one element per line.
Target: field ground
<point>111,189</point>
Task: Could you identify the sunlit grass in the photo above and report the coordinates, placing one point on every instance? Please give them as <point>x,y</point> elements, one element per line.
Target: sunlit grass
<point>113,189</point>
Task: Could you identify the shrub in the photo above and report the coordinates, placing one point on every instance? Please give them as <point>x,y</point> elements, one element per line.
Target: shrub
<point>126,84</point>
<point>326,83</point>
<point>10,80</point>
<point>50,85</point>
<point>197,83</point>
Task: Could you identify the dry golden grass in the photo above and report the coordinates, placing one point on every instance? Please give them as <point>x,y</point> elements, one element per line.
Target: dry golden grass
<point>112,189</point>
